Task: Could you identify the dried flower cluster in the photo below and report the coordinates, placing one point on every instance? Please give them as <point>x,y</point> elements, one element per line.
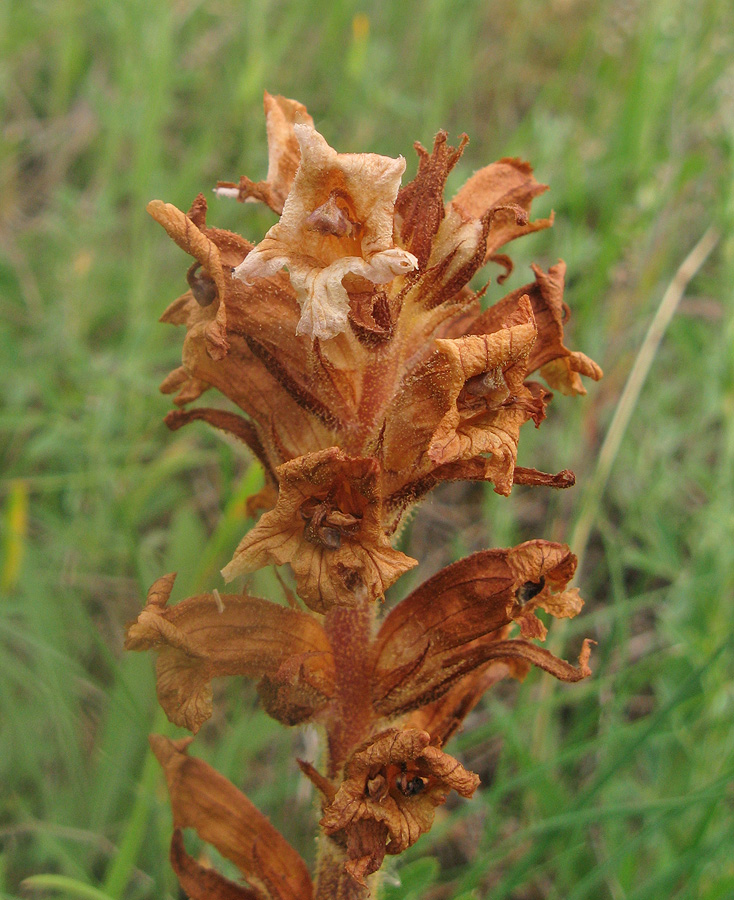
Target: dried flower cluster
<point>366,374</point>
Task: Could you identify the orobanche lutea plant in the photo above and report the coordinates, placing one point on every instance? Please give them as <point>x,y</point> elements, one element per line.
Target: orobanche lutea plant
<point>367,374</point>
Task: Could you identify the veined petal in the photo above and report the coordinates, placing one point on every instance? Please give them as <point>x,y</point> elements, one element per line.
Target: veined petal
<point>394,780</point>
<point>560,366</point>
<point>208,636</point>
<point>327,525</point>
<point>444,629</point>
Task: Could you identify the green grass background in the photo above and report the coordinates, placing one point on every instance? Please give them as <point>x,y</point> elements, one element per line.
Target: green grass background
<point>621,787</point>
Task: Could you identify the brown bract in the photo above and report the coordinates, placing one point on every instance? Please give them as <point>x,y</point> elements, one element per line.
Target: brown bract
<point>327,525</point>
<point>222,816</point>
<point>337,220</point>
<point>392,785</point>
<point>208,636</point>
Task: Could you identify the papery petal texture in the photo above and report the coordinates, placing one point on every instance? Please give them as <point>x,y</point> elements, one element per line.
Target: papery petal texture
<point>284,155</point>
<point>327,525</point>
<point>395,780</point>
<point>208,636</point>
<point>337,220</point>
<point>456,622</point>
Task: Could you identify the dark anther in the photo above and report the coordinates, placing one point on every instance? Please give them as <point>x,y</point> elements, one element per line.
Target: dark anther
<point>202,286</point>
<point>409,787</point>
<point>530,589</point>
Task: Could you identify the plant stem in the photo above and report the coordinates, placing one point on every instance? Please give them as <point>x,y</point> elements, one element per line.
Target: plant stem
<point>349,630</point>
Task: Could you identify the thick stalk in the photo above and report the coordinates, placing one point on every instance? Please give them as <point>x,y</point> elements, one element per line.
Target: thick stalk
<point>349,630</point>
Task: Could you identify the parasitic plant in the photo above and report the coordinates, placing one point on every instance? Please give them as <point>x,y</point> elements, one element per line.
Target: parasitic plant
<point>365,373</point>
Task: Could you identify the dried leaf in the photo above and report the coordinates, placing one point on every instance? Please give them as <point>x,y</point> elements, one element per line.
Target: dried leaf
<point>201,883</point>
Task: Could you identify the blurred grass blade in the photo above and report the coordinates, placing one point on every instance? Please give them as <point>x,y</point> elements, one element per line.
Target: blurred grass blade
<point>68,887</point>
<point>15,515</point>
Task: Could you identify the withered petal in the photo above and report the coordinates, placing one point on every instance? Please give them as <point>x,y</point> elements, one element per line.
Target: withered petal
<point>205,637</point>
<point>222,816</point>
<point>559,366</point>
<point>393,745</point>
<point>405,813</point>
<point>366,841</point>
<point>284,154</point>
<point>508,182</point>
<point>334,564</point>
<point>444,628</point>
<point>193,241</point>
<point>320,257</point>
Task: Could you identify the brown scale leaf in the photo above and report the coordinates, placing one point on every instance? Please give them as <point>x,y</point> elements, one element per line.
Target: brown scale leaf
<point>205,637</point>
<point>222,816</point>
<point>228,422</point>
<point>201,883</point>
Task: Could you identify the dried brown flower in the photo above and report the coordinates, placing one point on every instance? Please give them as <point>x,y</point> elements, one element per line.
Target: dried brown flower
<point>363,372</point>
<point>392,786</point>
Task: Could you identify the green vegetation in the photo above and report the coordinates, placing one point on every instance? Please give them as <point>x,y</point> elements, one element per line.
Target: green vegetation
<point>619,788</point>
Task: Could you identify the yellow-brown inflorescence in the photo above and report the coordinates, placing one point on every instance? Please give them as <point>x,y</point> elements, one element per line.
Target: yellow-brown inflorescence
<point>364,373</point>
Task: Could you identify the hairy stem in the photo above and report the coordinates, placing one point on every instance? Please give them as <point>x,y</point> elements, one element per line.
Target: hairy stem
<point>349,630</point>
